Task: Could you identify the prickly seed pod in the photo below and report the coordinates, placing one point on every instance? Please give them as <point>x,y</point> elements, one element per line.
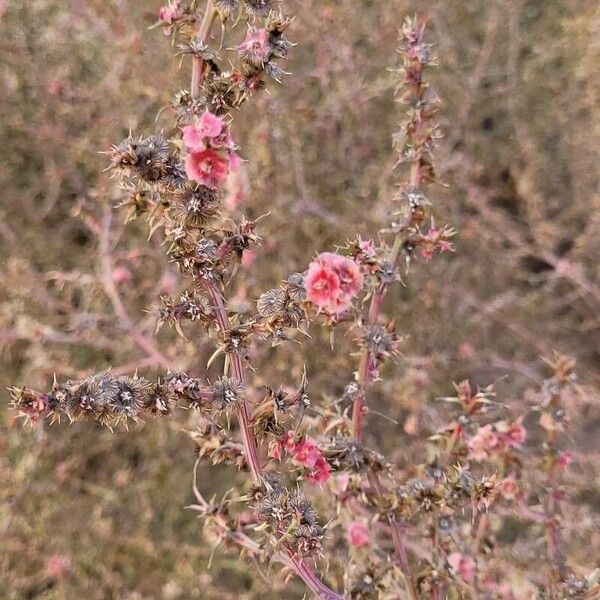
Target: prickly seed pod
<point>379,340</point>
<point>344,453</point>
<point>228,394</point>
<point>271,303</point>
<point>387,273</point>
<point>280,47</point>
<point>227,7</point>
<point>146,158</point>
<point>273,508</point>
<point>277,23</point>
<point>186,106</point>
<point>160,400</point>
<point>90,399</point>
<point>295,287</point>
<point>301,509</point>
<point>257,8</point>
<point>131,394</point>
<point>138,200</point>
<point>194,205</point>
<point>307,540</point>
<point>222,95</point>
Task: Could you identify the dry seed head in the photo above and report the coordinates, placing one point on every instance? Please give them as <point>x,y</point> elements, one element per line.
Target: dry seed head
<point>228,394</point>
<point>257,8</point>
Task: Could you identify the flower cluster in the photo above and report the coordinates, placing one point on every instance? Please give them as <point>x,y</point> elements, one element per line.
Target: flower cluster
<point>304,452</point>
<point>494,439</point>
<point>211,151</point>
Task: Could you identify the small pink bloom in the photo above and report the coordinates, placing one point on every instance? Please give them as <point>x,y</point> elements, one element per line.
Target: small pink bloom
<point>465,350</point>
<point>509,488</point>
<point>55,86</point>
<point>168,283</point>
<point>234,160</point>
<point>169,13</point>
<point>464,566</point>
<point>349,274</point>
<point>288,441</point>
<point>248,258</point>
<point>121,275</point>
<point>322,286</point>
<point>320,472</point>
<point>256,45</point>
<point>411,425</point>
<point>275,450</point>
<point>207,167</point>
<point>358,534</point>
<point>516,435</point>
<point>367,248</point>
<point>332,281</point>
<point>307,453</point>
<point>483,443</point>
<point>56,566</point>
<point>207,126</point>
<point>564,459</point>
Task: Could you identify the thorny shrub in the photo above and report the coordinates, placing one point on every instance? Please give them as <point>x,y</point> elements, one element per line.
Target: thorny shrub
<point>424,528</point>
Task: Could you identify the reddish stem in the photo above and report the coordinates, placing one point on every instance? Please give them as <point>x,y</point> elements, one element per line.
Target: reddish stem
<point>197,62</point>
<point>237,369</point>
<point>303,571</point>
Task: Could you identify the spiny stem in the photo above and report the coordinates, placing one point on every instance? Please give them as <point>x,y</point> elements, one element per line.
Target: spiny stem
<point>203,31</point>
<point>237,369</point>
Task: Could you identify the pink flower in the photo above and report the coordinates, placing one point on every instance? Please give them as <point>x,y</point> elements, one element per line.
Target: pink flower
<point>285,442</point>
<point>358,534</point>
<point>55,86</point>
<point>307,453</point>
<point>248,258</point>
<point>367,248</point>
<point>208,126</point>
<point>275,450</point>
<point>509,488</point>
<point>349,274</point>
<point>462,565</point>
<point>320,472</point>
<point>564,459</point>
<point>332,281</point>
<point>322,287</point>
<point>515,435</point>
<point>256,46</point>
<point>56,566</point>
<point>168,283</point>
<point>288,440</point>
<point>465,350</point>
<point>207,167</point>
<point>483,443</point>
<point>121,275</point>
<point>169,13</point>
<point>234,160</point>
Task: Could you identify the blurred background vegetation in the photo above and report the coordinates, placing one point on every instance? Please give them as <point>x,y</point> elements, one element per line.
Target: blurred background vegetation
<point>84,512</point>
